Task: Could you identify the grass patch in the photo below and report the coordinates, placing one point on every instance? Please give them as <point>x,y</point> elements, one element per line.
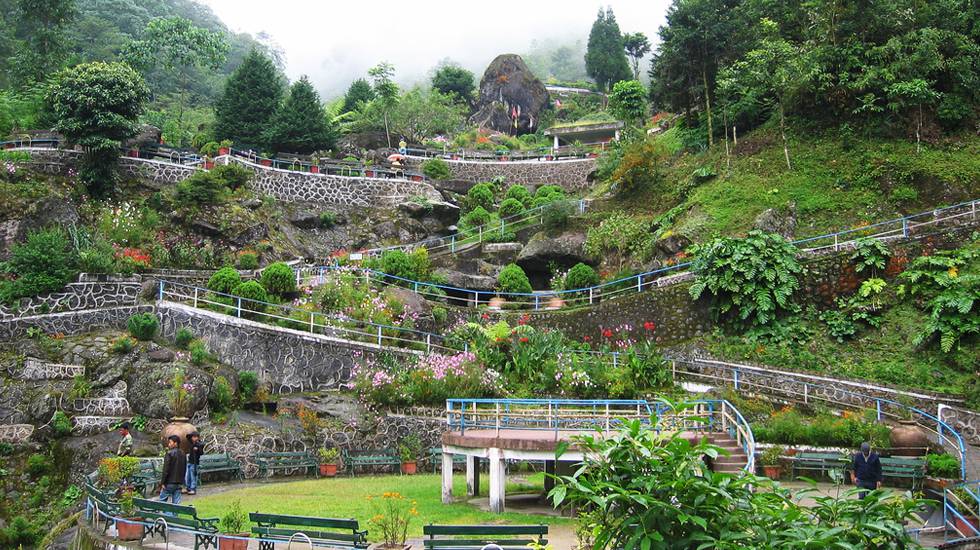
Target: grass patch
<point>345,497</point>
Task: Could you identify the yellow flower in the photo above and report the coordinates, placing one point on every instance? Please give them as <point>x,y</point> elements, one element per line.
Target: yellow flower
<point>953,272</point>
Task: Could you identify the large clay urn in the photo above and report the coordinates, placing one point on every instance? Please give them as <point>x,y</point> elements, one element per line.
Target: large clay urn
<point>908,439</point>
<point>181,427</point>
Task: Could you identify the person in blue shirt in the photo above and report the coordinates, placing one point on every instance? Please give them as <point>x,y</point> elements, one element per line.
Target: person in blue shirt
<point>866,472</point>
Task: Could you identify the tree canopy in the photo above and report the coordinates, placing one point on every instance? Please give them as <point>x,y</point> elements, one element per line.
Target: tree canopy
<point>454,80</point>
<point>301,125</point>
<point>250,99</point>
<point>605,56</point>
<point>360,91</point>
<point>636,45</point>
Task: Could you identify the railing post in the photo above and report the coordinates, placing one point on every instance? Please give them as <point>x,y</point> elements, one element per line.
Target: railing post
<point>673,371</point>
<point>195,296</point>
<point>497,430</point>
<point>311,322</point>
<point>535,302</point>
<point>379,336</point>
<point>735,378</point>
<point>590,295</point>
<point>452,244</point>
<point>581,206</point>
<point>160,293</point>
<point>835,243</point>
<point>905,227</point>
<point>615,359</point>
<point>428,342</point>
<point>878,408</point>
<point>639,283</point>
<point>806,393</point>
<point>481,233</point>
<point>238,310</point>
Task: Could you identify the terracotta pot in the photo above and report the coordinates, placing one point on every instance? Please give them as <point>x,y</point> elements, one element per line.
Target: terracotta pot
<point>593,155</point>
<point>134,153</point>
<point>969,526</point>
<point>369,173</point>
<point>208,164</point>
<point>416,178</point>
<point>227,543</point>
<point>9,146</point>
<point>223,150</point>
<point>409,468</point>
<point>504,158</point>
<point>555,303</point>
<point>266,162</point>
<point>328,470</point>
<point>791,452</point>
<point>129,531</point>
<point>314,169</point>
<point>908,439</point>
<point>180,427</point>
<point>772,472</point>
<point>455,157</point>
<point>496,302</point>
<point>549,157</point>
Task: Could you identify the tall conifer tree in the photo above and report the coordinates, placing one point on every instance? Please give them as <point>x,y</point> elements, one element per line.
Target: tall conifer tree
<point>605,57</point>
<point>250,99</point>
<point>301,125</point>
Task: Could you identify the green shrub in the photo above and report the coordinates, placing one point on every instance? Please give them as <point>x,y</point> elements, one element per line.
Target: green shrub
<point>143,326</point>
<point>183,337</point>
<point>221,396</point>
<point>44,263</point>
<point>549,193</point>
<point>511,207</point>
<point>520,193</point>
<point>327,219</point>
<point>279,279</point>
<point>555,216</point>
<point>253,296</point>
<point>248,260</point>
<point>80,387</point>
<point>436,169</point>
<point>904,194</point>
<point>97,258</point>
<point>231,176</point>
<point>201,188</point>
<point>225,280</point>
<point>123,345</point>
<point>480,195</point>
<point>38,465</point>
<point>199,352</point>
<point>413,266</point>
<point>512,279</point>
<point>61,424</point>
<point>20,533</point>
<point>248,384</point>
<point>475,218</point>
<point>439,315</point>
<point>581,276</point>
<point>943,465</point>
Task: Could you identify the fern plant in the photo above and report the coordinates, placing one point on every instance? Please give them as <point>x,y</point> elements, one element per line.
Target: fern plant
<point>947,286</point>
<point>870,254</point>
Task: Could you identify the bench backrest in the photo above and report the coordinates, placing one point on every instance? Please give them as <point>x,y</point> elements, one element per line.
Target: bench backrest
<point>911,466</point>
<point>291,454</point>
<point>304,521</point>
<point>386,453</point>
<point>479,530</point>
<point>165,507</point>
<point>477,536</point>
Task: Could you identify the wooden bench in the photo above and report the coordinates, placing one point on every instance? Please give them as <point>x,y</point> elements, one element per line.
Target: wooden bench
<point>435,458</point>
<point>155,513</point>
<point>330,532</point>
<point>147,478</point>
<point>267,462</point>
<point>101,502</point>
<point>367,458</point>
<point>475,537</point>
<point>910,468</point>
<point>821,462</point>
<point>220,462</point>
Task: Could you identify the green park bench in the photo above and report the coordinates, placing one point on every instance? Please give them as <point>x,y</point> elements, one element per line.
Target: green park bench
<point>220,462</point>
<point>365,458</point>
<point>147,479</point>
<point>268,462</point>
<point>913,469</point>
<point>475,537</point>
<point>106,503</point>
<point>159,516</point>
<point>823,463</point>
<point>329,532</point>
<point>435,458</point>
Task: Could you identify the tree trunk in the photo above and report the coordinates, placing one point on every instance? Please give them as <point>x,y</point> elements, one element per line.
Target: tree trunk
<point>728,153</point>
<point>734,135</point>
<point>707,103</point>
<point>387,134</point>
<point>918,132</point>
<point>782,130</point>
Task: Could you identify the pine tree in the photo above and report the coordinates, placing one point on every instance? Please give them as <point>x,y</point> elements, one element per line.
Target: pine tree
<point>605,57</point>
<point>360,90</point>
<point>300,125</point>
<point>250,99</point>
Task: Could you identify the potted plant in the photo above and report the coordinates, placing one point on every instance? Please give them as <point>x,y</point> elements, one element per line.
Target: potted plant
<point>181,395</point>
<point>942,470</point>
<point>392,514</point>
<point>328,461</point>
<point>409,450</point>
<point>265,161</point>
<point>315,165</point>
<point>131,526</point>
<point>234,526</point>
<point>771,461</point>
<point>966,505</point>
<point>224,147</point>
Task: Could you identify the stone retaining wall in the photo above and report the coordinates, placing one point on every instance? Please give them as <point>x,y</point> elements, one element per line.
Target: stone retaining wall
<point>967,423</point>
<point>75,297</point>
<point>70,323</point>
<point>571,175</point>
<point>150,172</point>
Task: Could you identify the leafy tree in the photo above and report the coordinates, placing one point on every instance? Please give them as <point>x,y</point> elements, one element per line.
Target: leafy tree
<point>454,80</point>
<point>249,101</point>
<point>359,92</point>
<point>301,124</point>
<point>385,90</point>
<point>752,278</point>
<point>44,263</point>
<point>44,24</point>
<point>605,57</point>
<point>419,115</point>
<point>636,45</point>
<point>96,105</point>
<point>628,102</point>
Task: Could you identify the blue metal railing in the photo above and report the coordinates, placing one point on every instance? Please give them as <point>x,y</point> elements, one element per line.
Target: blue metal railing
<point>562,152</point>
<point>961,510</point>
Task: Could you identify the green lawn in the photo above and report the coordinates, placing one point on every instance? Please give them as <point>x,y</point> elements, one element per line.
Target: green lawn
<point>346,497</point>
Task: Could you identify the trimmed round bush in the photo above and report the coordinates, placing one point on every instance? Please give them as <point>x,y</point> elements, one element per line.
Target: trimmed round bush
<point>581,276</point>
<point>480,195</point>
<point>183,337</point>
<point>512,279</point>
<point>252,292</point>
<point>399,264</point>
<point>520,193</point>
<point>511,207</point>
<point>479,216</point>
<point>279,279</point>
<point>436,169</point>
<point>143,326</point>
<point>248,260</point>
<point>546,194</point>
<point>224,280</point>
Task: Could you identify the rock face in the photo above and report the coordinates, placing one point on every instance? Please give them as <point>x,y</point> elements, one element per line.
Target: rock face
<point>565,249</point>
<point>781,221</point>
<point>509,92</point>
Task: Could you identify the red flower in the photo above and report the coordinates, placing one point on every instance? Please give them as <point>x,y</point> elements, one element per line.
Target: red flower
<point>523,339</point>
<point>649,326</point>
<point>607,333</point>
<point>586,338</point>
<point>485,316</point>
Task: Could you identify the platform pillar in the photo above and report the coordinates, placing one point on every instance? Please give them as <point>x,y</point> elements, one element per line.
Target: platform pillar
<point>473,476</point>
<point>447,478</point>
<point>549,470</point>
<point>498,480</point>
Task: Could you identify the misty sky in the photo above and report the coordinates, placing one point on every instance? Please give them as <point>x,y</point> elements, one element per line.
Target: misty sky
<point>335,42</point>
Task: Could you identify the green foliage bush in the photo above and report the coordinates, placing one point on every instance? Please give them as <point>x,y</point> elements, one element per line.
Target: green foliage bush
<point>790,427</point>
<point>20,533</point>
<point>61,424</point>
<point>946,285</point>
<point>871,254</point>
<point>248,260</point>
<point>279,279</point>
<point>44,263</point>
<point>225,280</point>
<point>512,279</point>
<point>200,189</point>
<point>143,326</point>
<point>479,196</point>
<point>414,266</point>
<point>248,384</point>
<point>232,176</point>
<point>199,352</point>
<point>183,337</point>
<point>520,193</point>
<point>439,315</point>
<point>326,220</point>
<point>436,169</point>
<point>581,276</point>
<point>38,465</point>
<point>475,218</point>
<point>96,258</point>
<point>555,216</point>
<point>511,208</point>
<point>546,194</point>
<point>254,297</point>
<point>619,237</point>
<point>123,345</point>
<point>943,465</point>
<point>221,396</point>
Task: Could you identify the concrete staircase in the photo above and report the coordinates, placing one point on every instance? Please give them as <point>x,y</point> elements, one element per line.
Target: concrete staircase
<point>736,459</point>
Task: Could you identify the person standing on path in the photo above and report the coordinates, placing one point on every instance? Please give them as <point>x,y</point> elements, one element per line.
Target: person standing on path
<point>193,463</point>
<point>402,146</point>
<point>125,447</point>
<point>866,473</point>
<point>174,471</point>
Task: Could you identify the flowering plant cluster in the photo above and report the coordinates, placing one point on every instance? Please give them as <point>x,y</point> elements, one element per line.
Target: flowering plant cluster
<point>130,260</point>
<point>428,381</point>
<point>392,514</point>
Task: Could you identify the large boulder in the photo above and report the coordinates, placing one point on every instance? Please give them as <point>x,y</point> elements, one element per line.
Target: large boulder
<point>781,221</point>
<point>148,385</point>
<point>564,249</point>
<point>509,91</point>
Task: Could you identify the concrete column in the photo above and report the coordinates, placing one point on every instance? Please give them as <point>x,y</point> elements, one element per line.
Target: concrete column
<point>473,476</point>
<point>498,480</point>
<point>556,143</point>
<point>447,478</point>
<point>549,470</point>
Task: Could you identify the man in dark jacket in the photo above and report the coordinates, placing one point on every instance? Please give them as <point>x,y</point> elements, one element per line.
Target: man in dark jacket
<point>194,462</point>
<point>866,473</point>
<point>174,470</point>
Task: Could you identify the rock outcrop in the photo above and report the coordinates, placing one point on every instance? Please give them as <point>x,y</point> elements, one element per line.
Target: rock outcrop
<point>565,249</point>
<point>511,97</point>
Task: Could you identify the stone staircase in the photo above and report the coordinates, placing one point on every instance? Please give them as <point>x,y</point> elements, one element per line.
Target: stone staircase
<point>735,461</point>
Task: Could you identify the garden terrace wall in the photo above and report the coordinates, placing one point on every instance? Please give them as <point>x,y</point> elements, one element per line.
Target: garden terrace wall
<point>70,323</point>
<point>150,172</point>
<point>76,297</point>
<point>290,360</point>
<point>967,423</point>
<point>570,175</point>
